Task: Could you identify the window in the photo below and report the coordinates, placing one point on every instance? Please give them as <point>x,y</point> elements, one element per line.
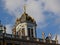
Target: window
<point>32,32</point>
<point>29,32</point>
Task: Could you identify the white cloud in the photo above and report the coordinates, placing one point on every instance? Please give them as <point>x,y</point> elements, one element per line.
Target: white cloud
<point>9,29</point>
<point>13,6</point>
<point>52,5</point>
<point>33,8</point>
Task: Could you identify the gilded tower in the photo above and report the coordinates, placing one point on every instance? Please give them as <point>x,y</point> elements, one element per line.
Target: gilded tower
<point>25,25</point>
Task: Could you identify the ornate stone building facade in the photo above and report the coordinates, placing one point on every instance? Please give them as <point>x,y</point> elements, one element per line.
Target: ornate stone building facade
<point>24,33</point>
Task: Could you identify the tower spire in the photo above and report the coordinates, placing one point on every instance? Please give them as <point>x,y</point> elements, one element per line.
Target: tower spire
<point>24,8</point>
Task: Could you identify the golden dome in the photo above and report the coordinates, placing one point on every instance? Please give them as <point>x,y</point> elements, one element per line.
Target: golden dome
<point>25,18</point>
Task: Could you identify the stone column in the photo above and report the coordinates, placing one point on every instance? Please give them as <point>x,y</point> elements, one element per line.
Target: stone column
<point>34,32</point>
<point>50,36</point>
<point>56,39</point>
<point>43,36</point>
<point>26,30</point>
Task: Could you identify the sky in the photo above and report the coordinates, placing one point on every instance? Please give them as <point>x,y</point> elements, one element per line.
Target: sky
<point>45,12</point>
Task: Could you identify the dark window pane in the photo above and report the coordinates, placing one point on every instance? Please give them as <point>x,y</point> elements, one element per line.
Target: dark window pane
<point>29,32</point>
<point>32,32</point>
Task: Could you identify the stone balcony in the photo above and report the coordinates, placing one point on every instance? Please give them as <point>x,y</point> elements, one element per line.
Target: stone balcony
<point>10,36</point>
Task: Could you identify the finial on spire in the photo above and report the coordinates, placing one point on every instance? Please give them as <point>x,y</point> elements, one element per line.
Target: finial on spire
<point>24,8</point>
